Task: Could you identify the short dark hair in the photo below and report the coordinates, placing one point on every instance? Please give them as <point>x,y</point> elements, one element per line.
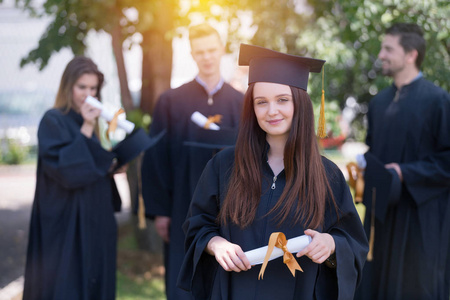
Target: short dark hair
<point>411,38</point>
<point>202,30</point>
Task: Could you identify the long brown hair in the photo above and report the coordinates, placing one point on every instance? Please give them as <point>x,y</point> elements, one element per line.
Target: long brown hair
<point>76,68</point>
<point>306,187</point>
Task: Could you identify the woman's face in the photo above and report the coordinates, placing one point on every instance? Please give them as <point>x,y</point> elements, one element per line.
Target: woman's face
<point>274,108</point>
<point>86,85</point>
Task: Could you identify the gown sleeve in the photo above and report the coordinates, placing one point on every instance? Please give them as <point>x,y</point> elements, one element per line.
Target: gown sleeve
<point>199,268</point>
<point>429,176</point>
<point>350,240</point>
<point>156,168</point>
<point>72,161</point>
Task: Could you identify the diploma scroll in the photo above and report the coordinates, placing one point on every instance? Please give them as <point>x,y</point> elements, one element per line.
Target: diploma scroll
<point>294,245</point>
<point>109,115</point>
<point>201,121</point>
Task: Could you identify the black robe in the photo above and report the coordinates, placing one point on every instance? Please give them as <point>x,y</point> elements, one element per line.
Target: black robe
<point>171,169</point>
<point>411,249</point>
<point>208,280</point>
<point>72,240</point>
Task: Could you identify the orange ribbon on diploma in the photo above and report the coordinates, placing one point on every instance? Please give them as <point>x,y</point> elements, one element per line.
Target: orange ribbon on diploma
<point>112,125</point>
<point>278,239</point>
<point>212,119</point>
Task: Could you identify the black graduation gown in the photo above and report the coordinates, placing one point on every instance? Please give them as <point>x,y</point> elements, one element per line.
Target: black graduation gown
<point>72,240</point>
<point>411,249</point>
<point>206,278</point>
<point>171,169</point>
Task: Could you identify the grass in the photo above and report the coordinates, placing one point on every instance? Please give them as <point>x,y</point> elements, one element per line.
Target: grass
<point>129,288</point>
<point>140,274</point>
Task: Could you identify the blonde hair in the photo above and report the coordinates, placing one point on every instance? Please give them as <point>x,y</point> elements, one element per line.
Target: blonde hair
<point>202,30</point>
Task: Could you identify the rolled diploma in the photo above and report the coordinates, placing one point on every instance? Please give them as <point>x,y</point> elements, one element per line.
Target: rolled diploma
<point>294,245</point>
<point>200,120</point>
<point>108,115</point>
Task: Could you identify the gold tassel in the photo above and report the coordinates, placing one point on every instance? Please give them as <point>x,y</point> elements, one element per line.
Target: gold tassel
<point>141,213</point>
<point>321,131</point>
<point>372,227</point>
<point>141,206</point>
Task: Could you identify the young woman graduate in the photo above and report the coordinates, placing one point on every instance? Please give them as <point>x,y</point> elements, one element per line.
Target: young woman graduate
<point>72,240</point>
<point>274,180</point>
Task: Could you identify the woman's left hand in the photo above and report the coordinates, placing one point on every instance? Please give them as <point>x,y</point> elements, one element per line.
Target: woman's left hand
<point>320,248</point>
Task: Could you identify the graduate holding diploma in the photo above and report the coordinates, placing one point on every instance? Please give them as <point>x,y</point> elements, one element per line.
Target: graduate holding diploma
<point>273,180</point>
<point>73,233</point>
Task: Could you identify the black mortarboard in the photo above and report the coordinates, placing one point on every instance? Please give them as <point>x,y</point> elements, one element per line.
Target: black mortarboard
<point>381,183</point>
<point>135,143</point>
<point>266,65</point>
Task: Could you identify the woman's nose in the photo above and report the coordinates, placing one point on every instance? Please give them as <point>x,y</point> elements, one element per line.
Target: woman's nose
<point>273,109</point>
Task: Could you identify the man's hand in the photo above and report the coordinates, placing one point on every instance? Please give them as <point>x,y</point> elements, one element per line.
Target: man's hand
<point>397,169</point>
<point>162,224</point>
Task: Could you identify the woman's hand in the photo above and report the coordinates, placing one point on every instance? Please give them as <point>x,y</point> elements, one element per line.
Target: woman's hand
<point>320,248</point>
<point>230,256</point>
<point>90,115</point>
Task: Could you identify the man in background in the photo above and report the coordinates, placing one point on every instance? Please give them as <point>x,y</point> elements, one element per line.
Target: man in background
<point>171,169</point>
<point>409,133</point>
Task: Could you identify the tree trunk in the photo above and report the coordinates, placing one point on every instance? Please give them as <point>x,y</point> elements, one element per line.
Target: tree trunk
<point>156,72</point>
<point>125,95</point>
<point>156,61</point>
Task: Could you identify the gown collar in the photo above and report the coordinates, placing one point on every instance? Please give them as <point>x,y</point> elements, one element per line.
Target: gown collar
<point>416,79</point>
<point>214,90</point>
<point>265,162</point>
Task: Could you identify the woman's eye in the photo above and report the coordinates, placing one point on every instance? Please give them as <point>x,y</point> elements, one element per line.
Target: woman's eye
<point>283,99</point>
<point>260,102</point>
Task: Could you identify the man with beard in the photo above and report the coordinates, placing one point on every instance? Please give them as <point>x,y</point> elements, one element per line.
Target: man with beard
<point>408,136</point>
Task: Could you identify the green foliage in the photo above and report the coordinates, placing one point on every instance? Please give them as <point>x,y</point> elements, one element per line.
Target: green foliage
<point>356,27</point>
<point>139,118</point>
<point>72,20</point>
<point>15,153</point>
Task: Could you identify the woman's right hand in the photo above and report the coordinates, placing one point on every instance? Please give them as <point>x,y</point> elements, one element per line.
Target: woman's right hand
<point>230,256</point>
<point>90,115</point>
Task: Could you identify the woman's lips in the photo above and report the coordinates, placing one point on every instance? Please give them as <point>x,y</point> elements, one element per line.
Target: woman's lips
<point>274,122</point>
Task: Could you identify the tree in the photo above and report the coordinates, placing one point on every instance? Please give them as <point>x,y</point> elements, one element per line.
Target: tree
<point>350,34</point>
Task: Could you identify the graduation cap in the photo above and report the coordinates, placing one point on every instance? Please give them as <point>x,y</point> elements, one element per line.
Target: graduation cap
<point>267,65</point>
<point>135,143</point>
